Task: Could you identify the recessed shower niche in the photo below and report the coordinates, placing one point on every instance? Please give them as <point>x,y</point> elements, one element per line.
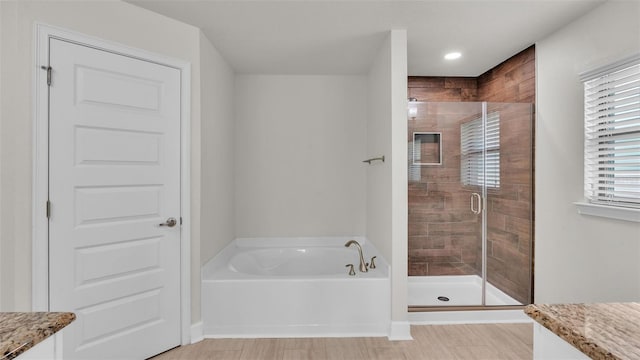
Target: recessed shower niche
<point>427,148</point>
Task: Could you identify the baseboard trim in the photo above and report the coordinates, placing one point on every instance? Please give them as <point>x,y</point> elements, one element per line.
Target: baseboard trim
<point>468,317</point>
<point>298,331</point>
<point>196,332</point>
<point>400,330</point>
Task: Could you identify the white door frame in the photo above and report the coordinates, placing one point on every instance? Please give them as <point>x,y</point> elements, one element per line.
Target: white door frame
<point>40,241</point>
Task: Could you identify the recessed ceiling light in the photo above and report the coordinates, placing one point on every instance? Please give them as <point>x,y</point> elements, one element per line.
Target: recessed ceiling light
<point>452,55</point>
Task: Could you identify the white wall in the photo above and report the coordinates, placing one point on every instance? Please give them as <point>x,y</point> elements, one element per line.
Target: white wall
<point>300,142</point>
<point>217,139</point>
<point>399,181</point>
<point>579,258</point>
<point>1,102</point>
<point>379,204</point>
<point>110,20</point>
<point>387,182</point>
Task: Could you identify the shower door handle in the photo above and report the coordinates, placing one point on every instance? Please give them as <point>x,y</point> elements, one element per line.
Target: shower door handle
<point>476,206</point>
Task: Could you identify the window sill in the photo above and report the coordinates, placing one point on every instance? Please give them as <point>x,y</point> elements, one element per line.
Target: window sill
<point>612,212</point>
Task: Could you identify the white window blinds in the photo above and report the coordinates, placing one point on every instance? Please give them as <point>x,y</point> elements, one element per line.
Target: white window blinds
<point>414,170</point>
<point>612,137</point>
<point>480,156</point>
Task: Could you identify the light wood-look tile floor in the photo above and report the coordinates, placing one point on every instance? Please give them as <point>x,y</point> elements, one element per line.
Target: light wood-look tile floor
<point>486,341</point>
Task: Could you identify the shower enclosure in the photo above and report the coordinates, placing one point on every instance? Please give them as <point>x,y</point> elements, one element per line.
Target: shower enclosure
<point>470,203</point>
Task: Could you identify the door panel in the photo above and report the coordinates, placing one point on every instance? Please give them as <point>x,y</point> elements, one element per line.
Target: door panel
<point>116,203</point>
<point>114,177</point>
<point>132,257</point>
<point>94,146</point>
<point>93,87</point>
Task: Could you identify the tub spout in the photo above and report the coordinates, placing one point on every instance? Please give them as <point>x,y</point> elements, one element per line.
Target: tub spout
<point>363,265</point>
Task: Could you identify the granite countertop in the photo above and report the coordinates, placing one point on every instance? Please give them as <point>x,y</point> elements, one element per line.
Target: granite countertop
<point>601,331</point>
<point>20,331</point>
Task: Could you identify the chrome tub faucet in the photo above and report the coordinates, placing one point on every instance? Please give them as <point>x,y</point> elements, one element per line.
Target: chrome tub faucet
<point>363,265</point>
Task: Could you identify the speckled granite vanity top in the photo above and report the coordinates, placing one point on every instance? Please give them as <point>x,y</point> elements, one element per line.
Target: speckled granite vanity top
<point>601,331</point>
<point>20,331</point>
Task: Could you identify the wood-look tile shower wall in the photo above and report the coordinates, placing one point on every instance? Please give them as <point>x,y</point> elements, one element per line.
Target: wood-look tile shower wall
<point>444,236</point>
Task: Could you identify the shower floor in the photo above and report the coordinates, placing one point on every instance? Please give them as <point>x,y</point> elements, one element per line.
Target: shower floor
<point>460,290</point>
<point>463,290</point>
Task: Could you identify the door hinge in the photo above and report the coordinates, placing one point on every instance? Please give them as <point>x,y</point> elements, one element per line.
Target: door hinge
<point>48,209</point>
<point>48,69</point>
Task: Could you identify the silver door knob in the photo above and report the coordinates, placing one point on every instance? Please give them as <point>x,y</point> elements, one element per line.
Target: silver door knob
<point>171,222</point>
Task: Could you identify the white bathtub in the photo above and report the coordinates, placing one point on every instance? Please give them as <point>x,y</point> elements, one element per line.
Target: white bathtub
<point>294,288</point>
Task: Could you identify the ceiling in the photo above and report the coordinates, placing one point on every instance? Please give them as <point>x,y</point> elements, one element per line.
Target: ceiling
<point>342,37</point>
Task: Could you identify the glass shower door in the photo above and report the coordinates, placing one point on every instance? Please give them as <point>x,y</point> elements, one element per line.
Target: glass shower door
<point>470,203</point>
<point>509,199</point>
<point>445,203</point>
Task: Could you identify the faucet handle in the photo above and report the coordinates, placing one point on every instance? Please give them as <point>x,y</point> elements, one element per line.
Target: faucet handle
<point>352,272</point>
<point>373,264</point>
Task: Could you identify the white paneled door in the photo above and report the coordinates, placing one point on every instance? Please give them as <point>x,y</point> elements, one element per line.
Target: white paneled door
<point>114,187</point>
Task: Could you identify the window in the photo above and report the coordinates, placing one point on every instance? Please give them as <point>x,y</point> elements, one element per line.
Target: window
<point>414,170</point>
<point>474,169</point>
<point>612,135</point>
